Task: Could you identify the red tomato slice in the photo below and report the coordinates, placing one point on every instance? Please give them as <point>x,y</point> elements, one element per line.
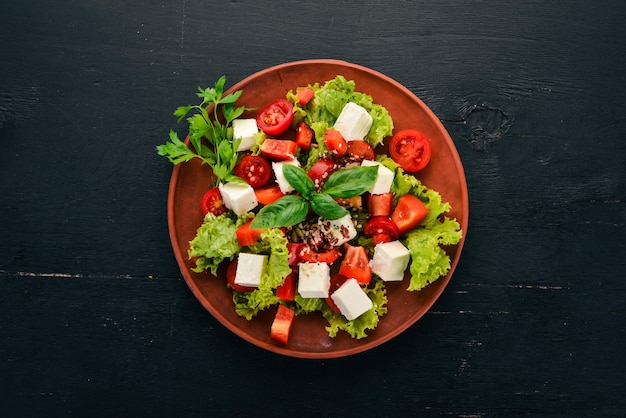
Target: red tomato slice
<point>409,212</point>
<point>294,252</point>
<point>304,95</point>
<point>336,280</point>
<point>212,202</point>
<point>231,273</point>
<point>360,150</point>
<point>304,136</point>
<point>380,238</point>
<point>306,254</point>
<point>247,236</point>
<point>380,204</point>
<point>268,194</point>
<point>276,117</point>
<point>279,149</point>
<point>381,225</point>
<point>281,327</point>
<point>254,169</point>
<point>355,264</point>
<point>411,149</point>
<point>321,170</point>
<point>287,290</point>
<point>335,142</point>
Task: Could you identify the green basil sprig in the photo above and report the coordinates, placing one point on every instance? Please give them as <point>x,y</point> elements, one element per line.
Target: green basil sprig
<point>292,209</point>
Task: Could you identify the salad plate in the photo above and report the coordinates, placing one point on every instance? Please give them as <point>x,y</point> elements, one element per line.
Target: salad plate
<point>308,337</point>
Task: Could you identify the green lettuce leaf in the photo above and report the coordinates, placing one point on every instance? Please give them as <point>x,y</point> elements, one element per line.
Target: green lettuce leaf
<point>330,99</point>
<point>274,243</point>
<point>215,241</point>
<point>368,321</point>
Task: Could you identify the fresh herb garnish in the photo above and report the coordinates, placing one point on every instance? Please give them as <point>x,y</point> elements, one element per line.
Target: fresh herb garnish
<point>292,209</point>
<point>212,140</point>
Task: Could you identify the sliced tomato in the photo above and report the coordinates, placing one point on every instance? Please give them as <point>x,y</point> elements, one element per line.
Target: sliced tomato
<point>409,212</point>
<point>287,290</point>
<point>360,150</point>
<point>380,238</point>
<point>279,149</point>
<point>304,136</point>
<point>212,202</point>
<point>281,327</point>
<point>254,169</point>
<point>336,280</point>
<point>306,254</point>
<point>268,194</point>
<point>304,95</point>
<point>335,142</point>
<point>294,252</point>
<point>355,264</point>
<point>247,236</point>
<point>321,170</point>
<point>276,117</point>
<point>380,204</point>
<point>381,225</point>
<point>411,149</point>
<point>231,273</point>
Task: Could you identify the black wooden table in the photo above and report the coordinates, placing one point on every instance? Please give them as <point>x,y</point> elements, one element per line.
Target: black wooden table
<point>96,318</point>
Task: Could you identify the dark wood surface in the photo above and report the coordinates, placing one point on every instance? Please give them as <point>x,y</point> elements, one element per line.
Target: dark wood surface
<point>97,320</point>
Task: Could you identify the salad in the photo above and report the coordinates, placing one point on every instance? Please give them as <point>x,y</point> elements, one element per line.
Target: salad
<point>305,212</point>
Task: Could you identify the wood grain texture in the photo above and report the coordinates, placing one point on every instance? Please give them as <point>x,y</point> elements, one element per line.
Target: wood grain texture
<point>96,319</point>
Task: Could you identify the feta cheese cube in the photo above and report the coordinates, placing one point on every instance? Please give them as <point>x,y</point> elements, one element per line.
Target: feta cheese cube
<point>338,231</point>
<point>351,300</point>
<point>282,182</point>
<point>313,280</point>
<point>238,196</point>
<point>390,260</point>
<point>250,269</point>
<point>383,180</point>
<point>246,129</point>
<point>353,122</point>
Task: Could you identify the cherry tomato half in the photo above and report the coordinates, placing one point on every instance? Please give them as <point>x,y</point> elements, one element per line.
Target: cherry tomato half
<point>381,225</point>
<point>335,142</point>
<point>278,149</point>
<point>254,169</point>
<point>268,194</point>
<point>276,117</point>
<point>231,273</point>
<point>355,264</point>
<point>304,136</point>
<point>360,150</point>
<point>306,254</point>
<point>212,202</point>
<point>336,280</point>
<point>321,170</point>
<point>411,149</point>
<point>409,212</point>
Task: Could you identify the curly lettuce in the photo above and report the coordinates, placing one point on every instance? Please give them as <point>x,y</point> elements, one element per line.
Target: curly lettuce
<point>429,261</point>
<point>329,100</point>
<point>215,241</point>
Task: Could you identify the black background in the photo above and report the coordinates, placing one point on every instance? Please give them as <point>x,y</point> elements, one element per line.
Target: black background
<point>97,319</point>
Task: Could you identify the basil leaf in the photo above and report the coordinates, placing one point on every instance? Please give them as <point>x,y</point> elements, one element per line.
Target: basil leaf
<point>326,207</point>
<point>350,182</point>
<point>286,211</point>
<point>298,179</point>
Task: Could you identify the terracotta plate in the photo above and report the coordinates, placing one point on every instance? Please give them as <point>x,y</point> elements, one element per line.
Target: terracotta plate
<point>308,337</point>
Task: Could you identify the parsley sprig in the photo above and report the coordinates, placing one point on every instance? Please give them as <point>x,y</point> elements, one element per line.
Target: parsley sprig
<point>292,209</point>
<point>210,133</point>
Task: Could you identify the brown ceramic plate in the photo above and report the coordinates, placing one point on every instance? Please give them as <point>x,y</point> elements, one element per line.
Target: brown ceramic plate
<point>308,337</point>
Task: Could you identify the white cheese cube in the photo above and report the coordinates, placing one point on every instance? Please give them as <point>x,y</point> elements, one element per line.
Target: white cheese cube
<point>383,180</point>
<point>338,231</point>
<point>250,269</point>
<point>238,197</point>
<point>282,182</point>
<point>353,122</point>
<point>390,260</point>
<point>246,129</point>
<point>313,280</point>
<point>351,300</point>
